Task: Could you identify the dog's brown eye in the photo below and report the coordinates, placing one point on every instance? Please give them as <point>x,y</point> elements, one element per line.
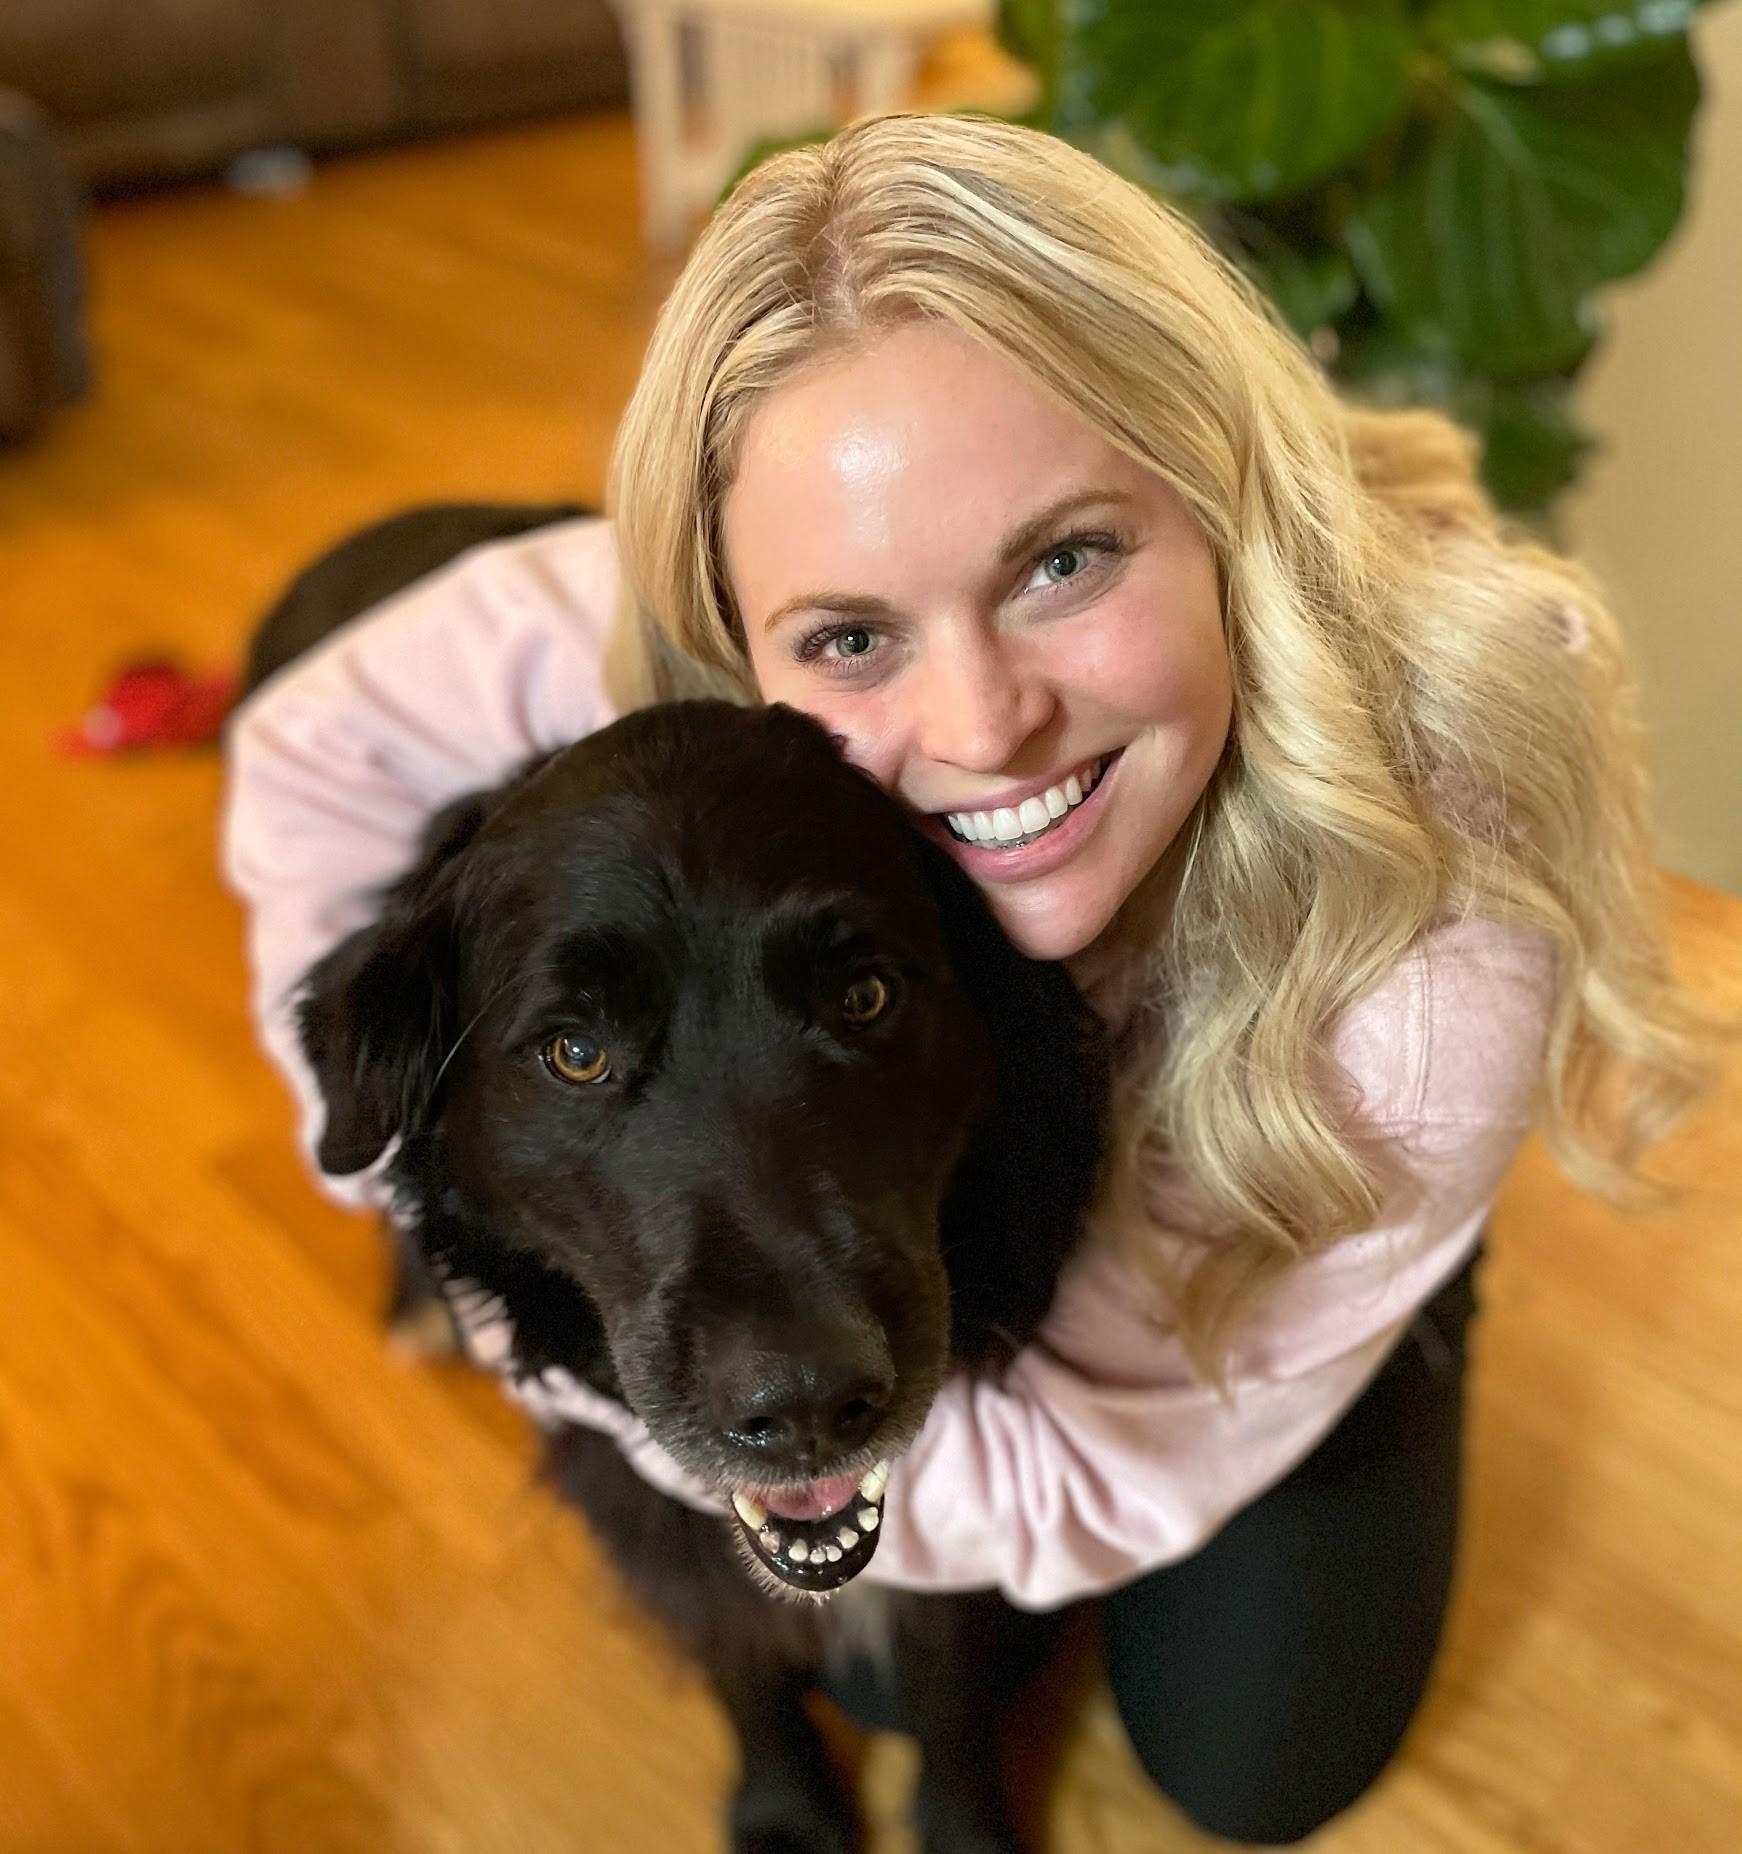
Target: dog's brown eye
<point>865,1000</point>
<point>575,1059</point>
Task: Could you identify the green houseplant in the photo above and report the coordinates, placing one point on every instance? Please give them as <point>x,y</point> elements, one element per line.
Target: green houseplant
<point>1433,192</point>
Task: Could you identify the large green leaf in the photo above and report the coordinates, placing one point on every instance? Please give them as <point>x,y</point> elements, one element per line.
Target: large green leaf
<point>1217,100</point>
<point>1531,444</point>
<point>1551,41</point>
<point>1507,207</point>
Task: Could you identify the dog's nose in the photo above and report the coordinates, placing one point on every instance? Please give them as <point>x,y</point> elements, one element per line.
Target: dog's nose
<point>804,1401</point>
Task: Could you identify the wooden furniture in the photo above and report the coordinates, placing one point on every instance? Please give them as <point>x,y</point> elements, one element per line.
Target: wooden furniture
<point>711,78</point>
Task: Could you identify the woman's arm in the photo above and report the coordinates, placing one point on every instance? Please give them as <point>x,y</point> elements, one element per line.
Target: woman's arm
<point>340,760</point>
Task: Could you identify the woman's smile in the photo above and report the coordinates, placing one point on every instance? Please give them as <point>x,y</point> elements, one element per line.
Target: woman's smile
<point>1013,838</point>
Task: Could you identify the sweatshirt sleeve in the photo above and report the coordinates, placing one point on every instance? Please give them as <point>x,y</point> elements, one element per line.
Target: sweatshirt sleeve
<point>1101,1455</point>
<point>337,763</point>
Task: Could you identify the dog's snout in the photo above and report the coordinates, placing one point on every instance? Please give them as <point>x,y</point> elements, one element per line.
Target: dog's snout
<point>802,1399</point>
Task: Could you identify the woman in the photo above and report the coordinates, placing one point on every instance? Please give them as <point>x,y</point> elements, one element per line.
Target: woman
<point>1232,696</point>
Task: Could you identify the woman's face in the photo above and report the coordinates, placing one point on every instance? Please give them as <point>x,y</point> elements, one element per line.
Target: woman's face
<point>1011,626</point>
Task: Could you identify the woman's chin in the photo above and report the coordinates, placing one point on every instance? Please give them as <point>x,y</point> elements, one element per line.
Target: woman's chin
<point>1050,925</point>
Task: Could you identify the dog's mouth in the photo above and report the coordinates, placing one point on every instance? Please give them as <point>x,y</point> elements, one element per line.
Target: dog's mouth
<point>817,1536</point>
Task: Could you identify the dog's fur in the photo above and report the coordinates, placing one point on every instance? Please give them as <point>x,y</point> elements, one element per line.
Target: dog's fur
<point>765,1207</point>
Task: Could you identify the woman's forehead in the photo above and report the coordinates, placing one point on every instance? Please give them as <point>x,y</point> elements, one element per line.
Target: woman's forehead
<point>923,453</point>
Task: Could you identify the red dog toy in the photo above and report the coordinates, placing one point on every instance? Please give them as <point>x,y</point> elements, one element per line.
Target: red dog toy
<point>153,704</point>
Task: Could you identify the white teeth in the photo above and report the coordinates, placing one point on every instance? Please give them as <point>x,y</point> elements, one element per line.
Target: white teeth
<point>875,1481</point>
<point>848,1537</point>
<point>798,1551</point>
<point>867,1516</point>
<point>754,1516</point>
<point>832,1553</point>
<point>1014,823</point>
<point>770,1539</point>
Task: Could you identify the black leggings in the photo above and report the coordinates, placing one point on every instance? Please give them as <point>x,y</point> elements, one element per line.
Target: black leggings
<point>1265,1681</point>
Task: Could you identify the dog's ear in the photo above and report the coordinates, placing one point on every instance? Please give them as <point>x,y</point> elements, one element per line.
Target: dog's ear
<point>377,1014</point>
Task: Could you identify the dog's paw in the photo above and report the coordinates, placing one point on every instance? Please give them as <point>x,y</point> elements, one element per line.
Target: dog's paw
<point>787,1818</point>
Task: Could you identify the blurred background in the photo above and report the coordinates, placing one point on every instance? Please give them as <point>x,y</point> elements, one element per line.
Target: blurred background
<point>270,272</point>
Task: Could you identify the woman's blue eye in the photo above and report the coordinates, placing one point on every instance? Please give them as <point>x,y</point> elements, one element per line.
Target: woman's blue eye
<point>1072,558</point>
<point>1063,553</point>
<point>837,645</point>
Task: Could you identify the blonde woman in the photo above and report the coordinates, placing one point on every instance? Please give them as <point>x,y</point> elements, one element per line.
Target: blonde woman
<point>1235,698</point>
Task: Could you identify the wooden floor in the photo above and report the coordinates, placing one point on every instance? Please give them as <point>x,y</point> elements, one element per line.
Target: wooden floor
<point>264,1589</point>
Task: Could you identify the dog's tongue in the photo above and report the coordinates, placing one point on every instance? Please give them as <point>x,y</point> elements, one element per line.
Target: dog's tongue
<point>817,1501</point>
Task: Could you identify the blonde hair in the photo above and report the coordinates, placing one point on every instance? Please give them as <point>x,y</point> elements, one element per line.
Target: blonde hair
<point>1432,717</point>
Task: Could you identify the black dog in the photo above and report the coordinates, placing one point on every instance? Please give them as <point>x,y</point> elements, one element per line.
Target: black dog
<point>722,1079</point>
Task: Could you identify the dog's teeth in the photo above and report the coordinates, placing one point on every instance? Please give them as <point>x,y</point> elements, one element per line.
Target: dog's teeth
<point>832,1553</point>
<point>848,1537</point>
<point>798,1551</point>
<point>754,1516</point>
<point>873,1484</point>
<point>770,1539</point>
<point>867,1517</point>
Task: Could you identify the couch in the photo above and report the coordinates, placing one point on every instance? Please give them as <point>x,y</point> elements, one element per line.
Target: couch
<point>142,91</point>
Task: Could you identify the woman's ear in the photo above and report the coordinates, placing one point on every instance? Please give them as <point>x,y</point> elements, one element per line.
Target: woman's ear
<point>377,1015</point>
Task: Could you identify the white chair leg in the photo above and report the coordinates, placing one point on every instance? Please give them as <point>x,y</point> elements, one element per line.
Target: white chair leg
<point>657,88</point>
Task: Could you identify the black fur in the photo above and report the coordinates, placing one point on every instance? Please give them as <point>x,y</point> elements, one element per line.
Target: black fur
<point>764,1207</point>
<point>375,563</point>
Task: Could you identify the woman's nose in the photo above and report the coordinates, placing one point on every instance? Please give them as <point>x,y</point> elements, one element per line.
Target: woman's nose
<point>978,702</point>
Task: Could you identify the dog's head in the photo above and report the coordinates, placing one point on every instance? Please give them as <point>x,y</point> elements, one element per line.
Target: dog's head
<point>721,1075</point>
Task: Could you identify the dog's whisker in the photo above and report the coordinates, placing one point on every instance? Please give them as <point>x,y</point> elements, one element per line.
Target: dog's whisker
<point>483,1011</point>
<point>454,1051</point>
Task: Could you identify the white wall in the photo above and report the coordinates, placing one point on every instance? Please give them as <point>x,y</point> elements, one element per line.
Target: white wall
<point>1659,511</point>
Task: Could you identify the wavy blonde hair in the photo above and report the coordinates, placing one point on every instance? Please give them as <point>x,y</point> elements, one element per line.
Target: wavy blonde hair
<point>1432,717</point>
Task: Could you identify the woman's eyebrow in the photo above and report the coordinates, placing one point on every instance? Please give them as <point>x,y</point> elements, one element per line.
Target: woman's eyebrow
<point>1019,543</point>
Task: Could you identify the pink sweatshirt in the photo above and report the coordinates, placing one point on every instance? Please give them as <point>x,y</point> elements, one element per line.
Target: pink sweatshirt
<point>1101,1455</point>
